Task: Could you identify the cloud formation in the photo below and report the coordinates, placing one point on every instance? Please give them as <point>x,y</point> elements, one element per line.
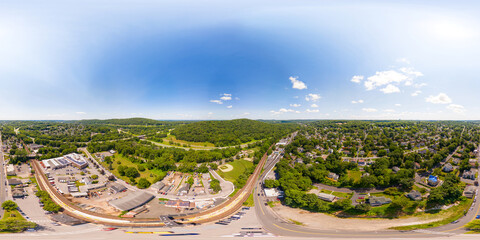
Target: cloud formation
<point>216,101</point>
<point>297,84</point>
<point>390,89</point>
<point>456,108</point>
<point>416,93</point>
<point>357,79</point>
<point>358,101</point>
<point>441,98</point>
<point>226,97</point>
<point>369,110</point>
<point>312,111</point>
<point>312,97</point>
<point>314,105</point>
<point>295,105</point>
<point>229,106</point>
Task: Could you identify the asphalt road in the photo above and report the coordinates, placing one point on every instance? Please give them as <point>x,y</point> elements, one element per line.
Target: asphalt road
<point>3,180</point>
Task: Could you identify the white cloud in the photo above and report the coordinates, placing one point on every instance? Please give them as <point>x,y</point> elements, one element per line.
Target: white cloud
<point>81,113</point>
<point>369,110</point>
<point>390,89</point>
<point>419,85</point>
<point>389,110</point>
<point>456,108</point>
<point>216,101</point>
<point>357,79</point>
<point>312,97</point>
<point>398,105</point>
<point>226,97</point>
<point>403,60</point>
<point>282,110</point>
<point>229,106</point>
<point>295,105</point>
<point>312,111</point>
<point>237,98</point>
<point>210,113</point>
<point>297,84</point>
<point>358,101</point>
<point>416,93</point>
<point>246,113</point>
<point>441,98</point>
<point>314,105</point>
<point>391,78</point>
<point>410,71</point>
<point>384,78</point>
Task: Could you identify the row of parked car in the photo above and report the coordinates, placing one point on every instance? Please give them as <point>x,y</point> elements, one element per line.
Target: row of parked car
<point>237,216</point>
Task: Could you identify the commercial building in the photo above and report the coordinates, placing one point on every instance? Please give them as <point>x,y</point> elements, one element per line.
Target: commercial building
<point>158,186</point>
<point>72,159</point>
<point>117,187</point>
<point>131,201</point>
<point>180,204</point>
<point>273,192</point>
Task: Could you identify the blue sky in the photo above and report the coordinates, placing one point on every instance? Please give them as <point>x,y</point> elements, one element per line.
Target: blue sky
<point>235,59</point>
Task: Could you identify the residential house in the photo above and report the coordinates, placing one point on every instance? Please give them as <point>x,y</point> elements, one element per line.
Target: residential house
<point>395,169</point>
<point>326,197</point>
<point>333,176</point>
<point>469,191</point>
<point>468,175</point>
<point>414,195</point>
<point>433,180</point>
<point>447,168</point>
<point>378,201</point>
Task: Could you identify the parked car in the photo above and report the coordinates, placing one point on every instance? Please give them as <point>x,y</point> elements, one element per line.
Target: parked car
<point>478,217</point>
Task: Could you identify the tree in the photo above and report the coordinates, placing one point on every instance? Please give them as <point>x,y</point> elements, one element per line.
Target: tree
<point>141,168</point>
<point>9,205</point>
<point>363,207</point>
<point>343,204</point>
<point>215,185</point>
<point>94,176</point>
<point>131,172</point>
<point>143,183</point>
<point>51,206</point>
<point>271,183</point>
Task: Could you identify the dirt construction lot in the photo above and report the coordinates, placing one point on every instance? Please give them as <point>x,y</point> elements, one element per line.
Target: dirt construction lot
<point>328,222</point>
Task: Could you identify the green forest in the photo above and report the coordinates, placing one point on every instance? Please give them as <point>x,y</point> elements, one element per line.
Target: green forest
<point>231,132</point>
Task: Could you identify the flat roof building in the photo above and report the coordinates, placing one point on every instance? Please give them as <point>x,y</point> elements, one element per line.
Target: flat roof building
<point>131,201</point>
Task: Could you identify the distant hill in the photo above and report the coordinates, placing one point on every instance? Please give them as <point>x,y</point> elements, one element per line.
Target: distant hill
<point>128,121</point>
<point>230,132</point>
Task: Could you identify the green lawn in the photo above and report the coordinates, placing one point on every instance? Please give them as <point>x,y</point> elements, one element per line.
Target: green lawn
<point>13,221</point>
<point>125,162</point>
<point>249,202</point>
<point>337,194</point>
<point>239,167</point>
<point>354,174</point>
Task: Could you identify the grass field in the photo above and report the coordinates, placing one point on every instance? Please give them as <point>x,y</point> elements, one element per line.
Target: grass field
<point>447,216</point>
<point>125,162</point>
<point>354,174</point>
<point>192,144</point>
<point>19,224</point>
<point>337,194</point>
<point>239,167</point>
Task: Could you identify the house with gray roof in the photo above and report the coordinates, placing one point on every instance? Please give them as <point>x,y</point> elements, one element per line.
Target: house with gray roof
<point>414,195</point>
